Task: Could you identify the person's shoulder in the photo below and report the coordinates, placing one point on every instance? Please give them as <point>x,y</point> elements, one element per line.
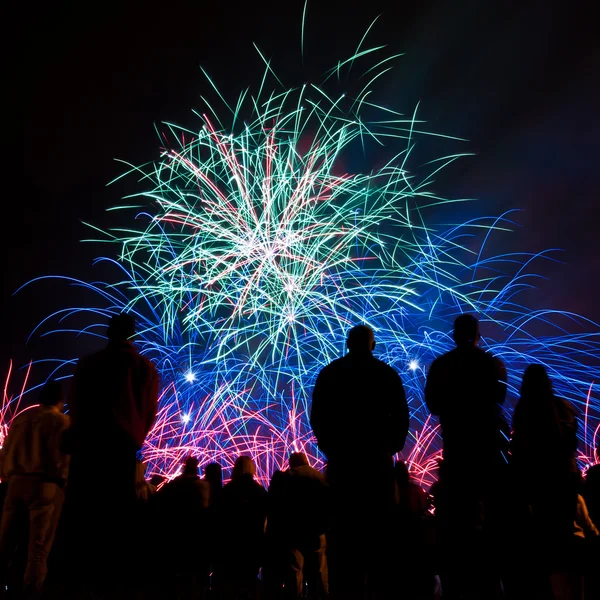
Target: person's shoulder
<point>387,371</point>
<point>445,358</point>
<point>308,472</point>
<point>149,363</point>
<point>333,367</point>
<point>566,408</point>
<point>259,489</point>
<point>336,363</point>
<point>60,418</point>
<point>26,415</point>
<point>488,357</point>
<point>89,359</point>
<point>381,364</point>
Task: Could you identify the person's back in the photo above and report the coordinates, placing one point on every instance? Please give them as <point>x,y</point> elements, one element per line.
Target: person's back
<point>33,445</point>
<point>186,493</point>
<point>359,402</point>
<point>114,391</point>
<point>183,521</point>
<point>466,388</point>
<point>591,490</point>
<point>359,416</point>
<point>296,527</point>
<point>213,475</point>
<point>243,508</point>
<point>545,435</point>
<point>113,404</point>
<point>242,513</point>
<point>544,428</point>
<point>298,504</point>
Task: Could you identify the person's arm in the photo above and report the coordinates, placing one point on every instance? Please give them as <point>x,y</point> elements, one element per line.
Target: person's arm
<point>318,411</point>
<point>398,419</point>
<point>5,452</point>
<point>74,393</point>
<point>569,424</point>
<point>583,519</point>
<point>500,379</point>
<point>433,389</point>
<point>152,400</point>
<point>58,461</point>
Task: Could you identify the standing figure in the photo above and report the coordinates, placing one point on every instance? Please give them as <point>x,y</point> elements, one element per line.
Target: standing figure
<point>296,528</point>
<point>183,530</point>
<point>466,388</point>
<point>113,406</point>
<point>359,416</point>
<point>36,470</point>
<point>546,478</point>
<point>213,475</point>
<point>242,514</point>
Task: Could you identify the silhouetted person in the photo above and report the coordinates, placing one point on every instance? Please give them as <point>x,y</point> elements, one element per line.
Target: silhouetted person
<point>591,493</point>
<point>242,514</point>
<point>466,388</point>
<point>543,447</point>
<point>414,573</point>
<point>359,416</point>
<point>36,471</point>
<point>113,406</point>
<point>213,474</point>
<point>183,521</point>
<point>591,490</point>
<point>296,528</point>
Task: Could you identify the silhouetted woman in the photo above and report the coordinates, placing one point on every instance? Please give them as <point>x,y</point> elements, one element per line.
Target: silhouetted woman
<point>543,446</point>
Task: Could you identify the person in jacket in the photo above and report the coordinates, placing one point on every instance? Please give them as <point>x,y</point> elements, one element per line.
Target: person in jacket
<point>36,470</point>
<point>113,405</point>
<point>359,416</point>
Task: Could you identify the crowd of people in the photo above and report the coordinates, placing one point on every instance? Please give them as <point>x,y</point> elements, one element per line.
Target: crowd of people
<point>510,515</point>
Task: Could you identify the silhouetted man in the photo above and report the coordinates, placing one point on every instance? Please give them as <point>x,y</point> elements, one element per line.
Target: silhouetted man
<point>36,471</point>
<point>213,475</point>
<point>359,416</point>
<point>185,541</point>
<point>113,406</point>
<point>592,489</point>
<point>242,513</point>
<point>466,388</point>
<point>296,527</point>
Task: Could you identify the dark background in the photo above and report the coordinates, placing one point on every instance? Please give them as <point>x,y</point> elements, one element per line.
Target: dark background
<point>519,80</point>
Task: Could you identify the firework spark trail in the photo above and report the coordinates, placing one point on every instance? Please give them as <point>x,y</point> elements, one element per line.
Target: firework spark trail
<point>259,252</point>
<point>11,405</point>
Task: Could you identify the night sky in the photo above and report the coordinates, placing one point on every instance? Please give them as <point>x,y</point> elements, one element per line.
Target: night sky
<point>520,81</point>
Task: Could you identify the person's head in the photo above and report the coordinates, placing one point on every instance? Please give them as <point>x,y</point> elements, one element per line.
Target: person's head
<point>361,339</point>
<point>190,466</point>
<point>243,465</point>
<point>51,394</point>
<point>536,382</point>
<point>214,473</point>
<point>466,331</point>
<point>121,328</point>
<point>297,459</point>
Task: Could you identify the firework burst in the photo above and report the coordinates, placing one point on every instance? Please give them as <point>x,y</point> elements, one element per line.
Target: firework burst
<point>254,250</point>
